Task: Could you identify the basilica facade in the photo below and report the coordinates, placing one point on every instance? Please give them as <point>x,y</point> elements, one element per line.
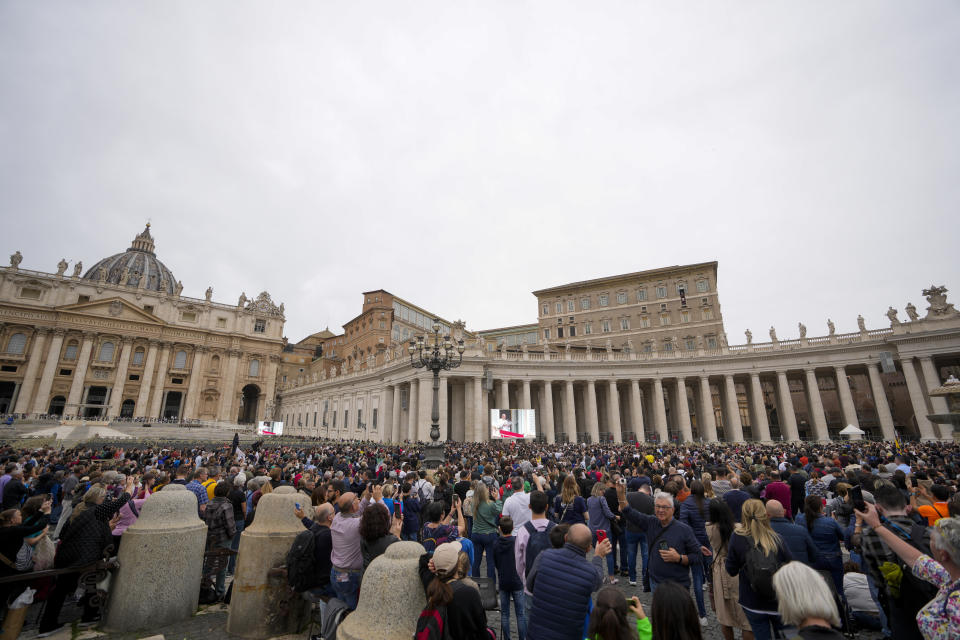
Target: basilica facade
<point>638,357</point>
<point>119,341</point>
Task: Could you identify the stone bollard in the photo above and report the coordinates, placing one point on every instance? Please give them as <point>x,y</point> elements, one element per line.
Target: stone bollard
<point>161,560</point>
<point>262,606</point>
<point>391,597</point>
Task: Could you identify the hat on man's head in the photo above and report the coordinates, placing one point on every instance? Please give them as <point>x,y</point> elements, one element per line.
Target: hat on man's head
<point>446,556</point>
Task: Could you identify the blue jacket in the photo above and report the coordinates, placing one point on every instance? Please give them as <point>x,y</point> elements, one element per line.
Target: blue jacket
<point>696,519</point>
<point>505,560</point>
<point>678,535</point>
<point>561,581</point>
<point>600,513</point>
<point>797,539</point>
<point>827,534</point>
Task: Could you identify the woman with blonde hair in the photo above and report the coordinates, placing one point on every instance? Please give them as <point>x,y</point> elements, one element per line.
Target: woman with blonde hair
<point>707,481</point>
<point>755,553</point>
<point>569,506</point>
<point>806,602</point>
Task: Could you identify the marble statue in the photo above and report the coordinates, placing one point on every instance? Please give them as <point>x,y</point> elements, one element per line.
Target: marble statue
<point>892,316</point>
<point>803,329</point>
<point>589,348</point>
<point>773,335</point>
<point>723,339</point>
<point>178,288</point>
<point>77,268</point>
<point>280,308</point>
<point>243,299</point>
<point>16,259</point>
<point>523,345</point>
<point>653,346</point>
<point>479,342</point>
<point>912,312</point>
<point>103,275</point>
<point>629,346</point>
<point>749,335</point>
<point>861,324</point>
<point>566,348</point>
<point>608,345</point>
<point>62,266</point>
<point>141,280</point>
<point>832,328</point>
<point>939,307</point>
<point>208,293</point>
<point>164,284</point>
<point>125,276</point>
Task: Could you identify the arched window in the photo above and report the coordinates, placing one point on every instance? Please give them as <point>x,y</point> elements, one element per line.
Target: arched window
<point>138,357</point>
<point>71,352</point>
<point>106,352</point>
<point>17,343</point>
<point>254,368</point>
<point>180,360</point>
<point>215,363</point>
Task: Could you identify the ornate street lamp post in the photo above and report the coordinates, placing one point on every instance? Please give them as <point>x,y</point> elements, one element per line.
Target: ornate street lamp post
<point>442,354</point>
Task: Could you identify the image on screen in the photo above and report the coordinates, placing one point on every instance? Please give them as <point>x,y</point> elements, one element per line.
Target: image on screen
<point>513,423</point>
<point>270,429</point>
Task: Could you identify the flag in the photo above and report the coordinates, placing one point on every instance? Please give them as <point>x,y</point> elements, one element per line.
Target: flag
<point>896,442</point>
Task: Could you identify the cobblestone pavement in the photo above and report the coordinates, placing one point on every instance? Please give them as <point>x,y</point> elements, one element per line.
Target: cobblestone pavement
<point>211,621</point>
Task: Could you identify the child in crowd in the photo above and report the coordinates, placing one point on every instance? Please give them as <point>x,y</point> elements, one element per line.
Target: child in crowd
<point>608,621</point>
<point>508,581</point>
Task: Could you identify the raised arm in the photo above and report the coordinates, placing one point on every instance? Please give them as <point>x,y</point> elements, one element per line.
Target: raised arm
<point>907,552</point>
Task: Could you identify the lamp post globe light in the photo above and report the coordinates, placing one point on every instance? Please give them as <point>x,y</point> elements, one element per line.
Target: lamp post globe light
<point>442,354</point>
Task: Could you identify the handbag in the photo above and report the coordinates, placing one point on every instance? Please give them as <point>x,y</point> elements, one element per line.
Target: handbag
<point>43,554</point>
<point>25,557</point>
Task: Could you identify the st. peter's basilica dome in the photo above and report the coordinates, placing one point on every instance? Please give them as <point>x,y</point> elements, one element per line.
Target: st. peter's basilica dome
<point>137,263</point>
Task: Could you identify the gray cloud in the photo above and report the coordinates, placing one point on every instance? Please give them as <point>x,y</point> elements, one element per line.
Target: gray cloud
<point>463,156</point>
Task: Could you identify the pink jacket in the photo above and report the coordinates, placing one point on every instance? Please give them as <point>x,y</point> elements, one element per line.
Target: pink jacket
<point>127,517</point>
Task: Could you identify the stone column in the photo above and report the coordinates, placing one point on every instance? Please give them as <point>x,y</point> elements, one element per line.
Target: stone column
<point>503,394</point>
<point>708,421</point>
<point>270,393</point>
<point>156,403</point>
<point>815,403</point>
<point>636,410</point>
<point>733,426</point>
<point>660,411</point>
<point>937,403</point>
<point>30,376</point>
<point>79,374</point>
<point>169,527</point>
<point>525,396</point>
<point>569,411</point>
<point>593,421</point>
<point>917,400</point>
<point>458,412</point>
<point>761,428</point>
<point>846,399</point>
<point>683,411</point>
<point>120,379</point>
<point>479,424</point>
<point>880,402</point>
<point>413,410</point>
<point>426,408</point>
<point>788,417</point>
<point>254,606</point>
<point>613,408</point>
<point>396,409</point>
<point>546,409</point>
<point>227,392</point>
<point>40,403</point>
<point>193,388</point>
<point>391,577</point>
<point>141,410</point>
<point>444,405</point>
<point>386,413</point>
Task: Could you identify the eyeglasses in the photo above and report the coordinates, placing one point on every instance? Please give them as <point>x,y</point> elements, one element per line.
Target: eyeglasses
<point>662,507</point>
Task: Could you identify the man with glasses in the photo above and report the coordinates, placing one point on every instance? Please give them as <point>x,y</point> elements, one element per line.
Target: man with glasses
<point>672,543</point>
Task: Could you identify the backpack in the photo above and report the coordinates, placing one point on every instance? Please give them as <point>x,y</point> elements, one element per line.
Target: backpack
<point>539,541</point>
<point>301,561</point>
<point>432,625</point>
<point>908,592</point>
<point>760,567</point>
<point>424,500</point>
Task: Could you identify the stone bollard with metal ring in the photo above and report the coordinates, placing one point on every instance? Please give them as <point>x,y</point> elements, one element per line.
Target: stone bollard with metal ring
<point>161,561</point>
<point>262,605</point>
<point>391,597</point>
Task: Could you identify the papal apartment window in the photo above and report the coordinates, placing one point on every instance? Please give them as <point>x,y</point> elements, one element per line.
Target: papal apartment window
<point>559,332</point>
<point>546,334</point>
<point>106,352</point>
<point>704,301</point>
<point>71,352</point>
<point>643,309</point>
<point>604,300</point>
<point>708,314</point>
<point>711,342</point>
<point>221,323</point>
<point>587,329</point>
<point>664,320</point>
<point>259,326</point>
<point>622,298</point>
<point>681,289</point>
<point>641,295</point>
<point>645,322</point>
<point>17,343</point>
<point>691,344</point>
<point>584,303</point>
<point>138,357</point>
<point>188,316</point>
<point>573,332</point>
<point>703,285</point>
<point>684,316</point>
<point>663,306</point>
<point>606,326</point>
<point>570,306</point>
<point>624,324</point>
<point>668,346</point>
<point>180,360</point>
<point>661,292</point>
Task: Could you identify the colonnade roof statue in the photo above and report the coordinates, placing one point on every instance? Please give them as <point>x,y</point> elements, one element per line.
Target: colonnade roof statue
<point>137,267</point>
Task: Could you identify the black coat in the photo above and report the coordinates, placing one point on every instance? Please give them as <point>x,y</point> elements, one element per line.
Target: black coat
<point>87,536</point>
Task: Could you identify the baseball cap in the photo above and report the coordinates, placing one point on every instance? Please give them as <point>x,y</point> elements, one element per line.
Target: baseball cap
<point>446,556</point>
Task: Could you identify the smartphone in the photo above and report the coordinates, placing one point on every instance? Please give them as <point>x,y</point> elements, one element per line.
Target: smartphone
<point>601,535</point>
<point>297,505</point>
<point>663,546</point>
<point>856,497</point>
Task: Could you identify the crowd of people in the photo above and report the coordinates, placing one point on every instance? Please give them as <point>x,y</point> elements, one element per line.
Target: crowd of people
<point>813,539</point>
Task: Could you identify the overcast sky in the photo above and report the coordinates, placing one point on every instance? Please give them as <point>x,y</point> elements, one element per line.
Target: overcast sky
<point>462,155</point>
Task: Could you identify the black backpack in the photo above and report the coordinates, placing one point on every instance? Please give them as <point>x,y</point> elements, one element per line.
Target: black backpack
<point>909,593</point>
<point>301,562</point>
<point>760,567</point>
<point>539,541</point>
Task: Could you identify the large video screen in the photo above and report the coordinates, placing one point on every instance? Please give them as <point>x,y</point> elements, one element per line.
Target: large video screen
<point>270,429</point>
<point>513,423</point>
